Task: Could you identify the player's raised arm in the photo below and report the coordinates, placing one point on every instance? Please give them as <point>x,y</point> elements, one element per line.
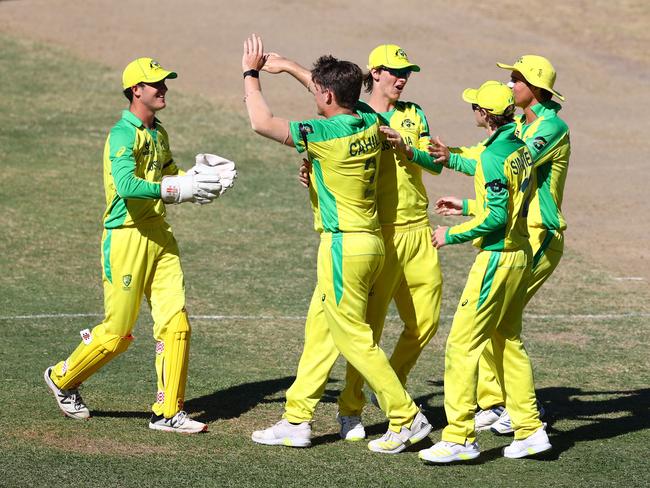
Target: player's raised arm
<point>262,120</point>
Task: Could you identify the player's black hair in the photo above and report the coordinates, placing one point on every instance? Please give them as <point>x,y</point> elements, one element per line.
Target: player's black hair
<point>343,78</point>
<point>368,82</point>
<point>496,121</point>
<point>128,93</point>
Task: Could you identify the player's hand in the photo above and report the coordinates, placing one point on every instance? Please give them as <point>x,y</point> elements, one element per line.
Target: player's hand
<point>303,173</point>
<point>449,206</point>
<point>438,238</point>
<point>253,57</point>
<point>440,152</point>
<point>197,188</point>
<point>274,63</point>
<point>393,137</point>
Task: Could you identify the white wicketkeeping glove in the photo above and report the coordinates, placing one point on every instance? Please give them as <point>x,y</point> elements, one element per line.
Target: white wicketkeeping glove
<point>198,188</point>
<point>222,166</point>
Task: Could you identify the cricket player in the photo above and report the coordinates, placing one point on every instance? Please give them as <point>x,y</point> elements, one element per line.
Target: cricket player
<point>547,137</point>
<point>344,149</point>
<point>491,305</point>
<point>140,255</point>
<point>411,273</point>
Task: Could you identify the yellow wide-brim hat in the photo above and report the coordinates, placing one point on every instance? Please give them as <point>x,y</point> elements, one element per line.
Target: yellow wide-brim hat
<point>493,96</point>
<point>390,56</point>
<point>537,70</point>
<point>144,70</point>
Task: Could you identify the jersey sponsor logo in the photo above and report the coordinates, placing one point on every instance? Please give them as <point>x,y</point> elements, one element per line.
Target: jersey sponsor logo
<point>539,143</point>
<point>120,151</point>
<point>521,162</point>
<point>408,123</point>
<point>160,397</point>
<point>160,347</point>
<point>362,146</point>
<point>153,165</point>
<point>64,368</point>
<point>86,336</point>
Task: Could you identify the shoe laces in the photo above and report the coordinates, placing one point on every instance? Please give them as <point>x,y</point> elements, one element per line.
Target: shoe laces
<point>178,419</point>
<point>76,398</point>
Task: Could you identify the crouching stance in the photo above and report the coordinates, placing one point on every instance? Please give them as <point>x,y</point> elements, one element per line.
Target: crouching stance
<point>140,255</point>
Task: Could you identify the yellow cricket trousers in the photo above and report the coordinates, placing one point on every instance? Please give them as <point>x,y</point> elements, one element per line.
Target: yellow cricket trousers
<point>136,261</point>
<point>490,311</point>
<point>348,264</point>
<point>548,247</point>
<point>411,276</point>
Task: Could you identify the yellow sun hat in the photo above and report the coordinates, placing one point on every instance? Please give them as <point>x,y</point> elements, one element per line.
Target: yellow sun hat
<point>537,70</point>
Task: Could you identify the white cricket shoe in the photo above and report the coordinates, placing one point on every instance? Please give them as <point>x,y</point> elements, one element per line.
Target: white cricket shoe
<point>393,442</point>
<point>69,401</point>
<point>284,433</point>
<point>178,423</point>
<point>503,426</point>
<point>351,427</point>
<point>531,445</point>
<point>484,419</point>
<point>448,452</point>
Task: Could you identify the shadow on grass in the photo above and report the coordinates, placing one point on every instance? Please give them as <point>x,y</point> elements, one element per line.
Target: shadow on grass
<point>631,409</point>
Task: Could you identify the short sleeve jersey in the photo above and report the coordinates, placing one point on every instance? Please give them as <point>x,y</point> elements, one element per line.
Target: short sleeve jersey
<point>401,196</point>
<point>344,151</point>
<point>135,160</point>
<point>503,180</point>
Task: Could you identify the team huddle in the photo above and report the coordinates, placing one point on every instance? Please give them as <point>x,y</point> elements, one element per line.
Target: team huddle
<point>362,165</point>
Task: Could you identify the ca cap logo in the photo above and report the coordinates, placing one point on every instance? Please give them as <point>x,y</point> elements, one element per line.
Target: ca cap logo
<point>126,280</point>
<point>401,54</point>
<point>154,64</point>
<point>408,123</point>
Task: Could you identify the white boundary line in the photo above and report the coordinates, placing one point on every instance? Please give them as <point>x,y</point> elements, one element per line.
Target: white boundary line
<point>605,316</point>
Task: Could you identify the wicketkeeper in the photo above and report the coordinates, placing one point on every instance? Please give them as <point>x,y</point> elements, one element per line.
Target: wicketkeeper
<point>140,255</point>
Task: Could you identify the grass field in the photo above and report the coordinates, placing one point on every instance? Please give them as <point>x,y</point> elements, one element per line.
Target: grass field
<point>249,262</point>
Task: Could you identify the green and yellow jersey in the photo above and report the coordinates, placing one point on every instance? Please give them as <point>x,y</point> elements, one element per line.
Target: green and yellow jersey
<point>548,139</point>
<point>135,160</point>
<point>503,180</point>
<point>344,151</point>
<point>401,196</point>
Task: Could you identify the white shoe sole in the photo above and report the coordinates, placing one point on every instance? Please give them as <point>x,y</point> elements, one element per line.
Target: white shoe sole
<point>414,439</point>
<point>460,457</point>
<point>530,451</point>
<point>285,441</point>
<point>165,428</point>
<point>55,391</point>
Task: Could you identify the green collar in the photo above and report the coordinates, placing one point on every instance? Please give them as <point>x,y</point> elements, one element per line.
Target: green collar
<point>133,119</point>
<point>503,132</point>
<point>543,108</point>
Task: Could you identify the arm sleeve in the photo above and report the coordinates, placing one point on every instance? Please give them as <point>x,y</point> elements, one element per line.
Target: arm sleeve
<point>421,155</point>
<point>547,136</point>
<point>127,185</point>
<point>495,214</point>
<point>464,159</point>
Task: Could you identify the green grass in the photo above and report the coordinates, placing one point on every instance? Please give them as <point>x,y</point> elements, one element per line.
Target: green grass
<point>253,255</point>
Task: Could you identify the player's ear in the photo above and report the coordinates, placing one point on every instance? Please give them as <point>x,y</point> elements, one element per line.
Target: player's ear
<point>374,72</point>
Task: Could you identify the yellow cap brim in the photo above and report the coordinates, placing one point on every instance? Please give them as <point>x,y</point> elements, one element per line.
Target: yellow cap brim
<point>534,83</point>
<point>469,95</point>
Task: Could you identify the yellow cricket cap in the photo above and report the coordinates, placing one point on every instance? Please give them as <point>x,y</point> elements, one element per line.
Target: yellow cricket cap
<point>390,56</point>
<point>493,96</point>
<point>537,70</point>
<point>145,70</point>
